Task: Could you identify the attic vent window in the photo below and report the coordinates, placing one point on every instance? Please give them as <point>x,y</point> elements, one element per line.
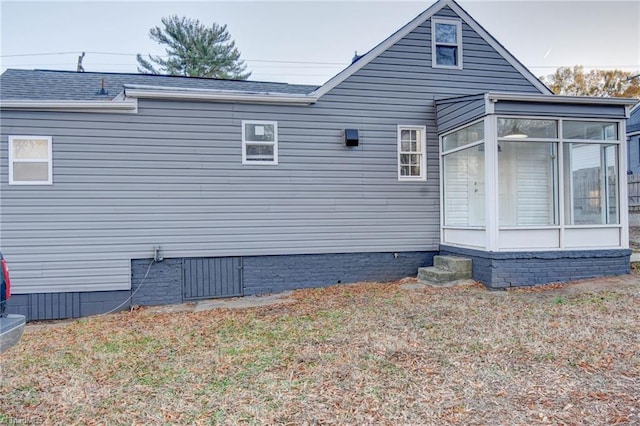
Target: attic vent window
<point>446,43</point>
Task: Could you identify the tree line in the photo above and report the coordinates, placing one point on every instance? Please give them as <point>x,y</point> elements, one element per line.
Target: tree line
<point>575,81</point>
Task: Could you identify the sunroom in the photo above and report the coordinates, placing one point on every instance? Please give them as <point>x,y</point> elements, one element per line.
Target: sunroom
<point>532,189</point>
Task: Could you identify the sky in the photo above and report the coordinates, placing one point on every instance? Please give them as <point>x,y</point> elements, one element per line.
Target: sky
<point>308,42</point>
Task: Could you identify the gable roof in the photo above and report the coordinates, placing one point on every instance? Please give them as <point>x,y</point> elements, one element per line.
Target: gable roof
<point>45,85</point>
<point>17,84</point>
<point>415,23</point>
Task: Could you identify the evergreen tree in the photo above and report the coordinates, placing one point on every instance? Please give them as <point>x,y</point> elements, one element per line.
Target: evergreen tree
<point>194,50</point>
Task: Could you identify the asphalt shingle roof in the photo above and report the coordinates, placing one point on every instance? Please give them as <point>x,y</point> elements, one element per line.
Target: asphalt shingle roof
<point>70,85</point>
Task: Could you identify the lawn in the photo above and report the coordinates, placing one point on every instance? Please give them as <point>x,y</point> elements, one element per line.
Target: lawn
<point>358,354</point>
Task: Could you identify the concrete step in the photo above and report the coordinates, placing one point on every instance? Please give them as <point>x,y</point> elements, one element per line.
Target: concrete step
<point>460,265</point>
<point>446,269</point>
<point>436,275</point>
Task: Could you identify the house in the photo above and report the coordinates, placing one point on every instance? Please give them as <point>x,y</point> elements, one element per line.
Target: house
<point>122,190</point>
<point>633,140</point>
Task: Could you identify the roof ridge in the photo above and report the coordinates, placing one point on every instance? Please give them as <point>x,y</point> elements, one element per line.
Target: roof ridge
<point>72,85</point>
<point>158,76</point>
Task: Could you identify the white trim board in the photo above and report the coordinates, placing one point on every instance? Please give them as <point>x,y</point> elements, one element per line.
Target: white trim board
<point>558,99</point>
<point>415,23</point>
<point>161,92</point>
<point>129,106</point>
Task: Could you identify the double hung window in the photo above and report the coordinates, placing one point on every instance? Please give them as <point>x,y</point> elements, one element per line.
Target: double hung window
<point>446,43</point>
<point>260,142</point>
<point>411,153</point>
<point>30,160</point>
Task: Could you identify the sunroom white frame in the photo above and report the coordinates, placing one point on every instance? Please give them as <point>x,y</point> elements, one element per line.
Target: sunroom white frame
<point>495,238</point>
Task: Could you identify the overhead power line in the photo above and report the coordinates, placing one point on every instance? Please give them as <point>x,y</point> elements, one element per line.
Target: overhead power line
<point>39,54</point>
<point>166,56</point>
<point>118,64</point>
<point>311,63</point>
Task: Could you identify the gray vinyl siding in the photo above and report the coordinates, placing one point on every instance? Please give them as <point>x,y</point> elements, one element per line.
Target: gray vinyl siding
<point>171,175</point>
<point>633,154</point>
<point>633,123</point>
<point>451,114</point>
<point>121,189</point>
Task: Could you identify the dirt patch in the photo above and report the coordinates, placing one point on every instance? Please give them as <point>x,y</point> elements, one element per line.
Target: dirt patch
<point>620,282</point>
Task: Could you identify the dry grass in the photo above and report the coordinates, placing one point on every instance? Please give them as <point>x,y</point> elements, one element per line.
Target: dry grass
<point>363,354</point>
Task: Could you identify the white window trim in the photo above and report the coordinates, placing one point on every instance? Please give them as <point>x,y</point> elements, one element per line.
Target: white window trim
<point>449,21</point>
<point>423,158</point>
<point>273,162</point>
<point>49,180</point>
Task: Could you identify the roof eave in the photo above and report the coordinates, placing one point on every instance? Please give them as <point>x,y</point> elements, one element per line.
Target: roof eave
<point>156,92</point>
<point>127,106</point>
<point>526,97</point>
